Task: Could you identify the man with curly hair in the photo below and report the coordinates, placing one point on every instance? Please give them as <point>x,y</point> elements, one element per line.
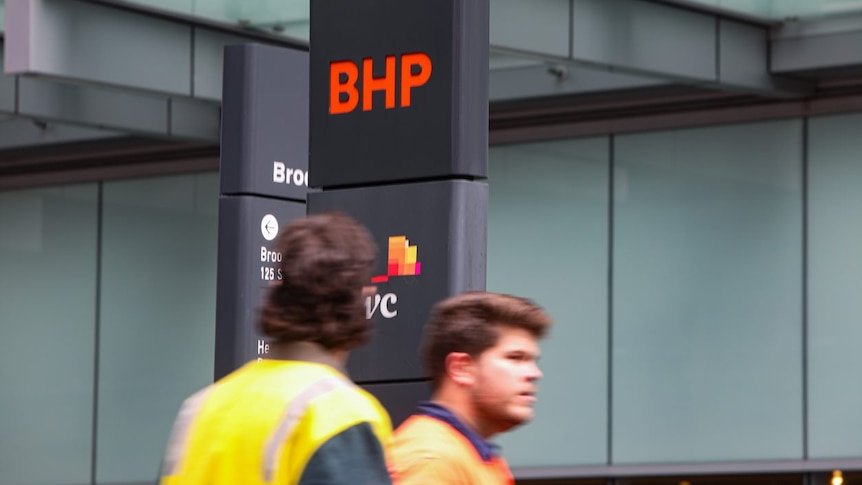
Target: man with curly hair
<point>294,417</point>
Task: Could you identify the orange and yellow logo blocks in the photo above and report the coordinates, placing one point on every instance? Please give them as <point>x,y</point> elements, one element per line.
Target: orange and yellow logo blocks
<point>401,260</point>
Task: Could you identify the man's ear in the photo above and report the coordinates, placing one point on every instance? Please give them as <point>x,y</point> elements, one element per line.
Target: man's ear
<point>460,368</point>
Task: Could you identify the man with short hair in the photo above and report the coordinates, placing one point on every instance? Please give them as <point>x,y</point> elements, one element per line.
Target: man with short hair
<point>481,351</point>
<point>294,417</point>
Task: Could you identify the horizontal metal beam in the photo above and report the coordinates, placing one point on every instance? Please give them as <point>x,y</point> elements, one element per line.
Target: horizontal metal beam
<point>658,112</point>
<point>816,47</point>
<point>96,43</point>
<point>17,132</point>
<point>104,108</point>
<point>661,41</point>
<point>63,176</point>
<point>544,79</point>
<point>743,63</point>
<point>129,112</point>
<point>82,42</point>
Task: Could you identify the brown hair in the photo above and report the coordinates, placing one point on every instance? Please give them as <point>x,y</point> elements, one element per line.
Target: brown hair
<point>469,323</point>
<point>326,259</point>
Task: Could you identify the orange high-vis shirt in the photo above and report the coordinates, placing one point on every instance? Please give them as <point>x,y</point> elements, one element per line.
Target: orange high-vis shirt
<point>432,448</point>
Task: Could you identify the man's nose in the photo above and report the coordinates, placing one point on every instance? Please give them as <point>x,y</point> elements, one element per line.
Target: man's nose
<point>534,373</point>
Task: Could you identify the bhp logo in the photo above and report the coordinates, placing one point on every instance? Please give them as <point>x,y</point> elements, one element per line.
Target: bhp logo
<point>344,96</point>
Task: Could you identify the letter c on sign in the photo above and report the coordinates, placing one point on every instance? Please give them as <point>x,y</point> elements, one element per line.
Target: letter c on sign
<point>385,310</point>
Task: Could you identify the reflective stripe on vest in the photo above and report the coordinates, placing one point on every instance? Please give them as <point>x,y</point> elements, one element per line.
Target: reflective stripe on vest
<point>180,432</point>
<point>295,410</point>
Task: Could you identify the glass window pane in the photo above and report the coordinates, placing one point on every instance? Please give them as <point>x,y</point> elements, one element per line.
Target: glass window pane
<point>834,283</point>
<point>47,333</point>
<point>784,9</point>
<point>548,240</point>
<point>285,17</point>
<point>707,288</point>
<point>157,315</point>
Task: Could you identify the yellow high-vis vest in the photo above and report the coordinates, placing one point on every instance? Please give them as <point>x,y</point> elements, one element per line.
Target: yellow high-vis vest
<point>279,422</point>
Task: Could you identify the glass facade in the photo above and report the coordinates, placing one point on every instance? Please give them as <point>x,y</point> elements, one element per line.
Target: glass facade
<point>785,9</point>
<point>707,312</point>
<point>157,315</point>
<point>834,279</point>
<point>48,286</point>
<point>107,304</point>
<point>548,240</point>
<point>704,340</point>
<point>702,283</point>
<point>678,290</point>
<point>285,17</point>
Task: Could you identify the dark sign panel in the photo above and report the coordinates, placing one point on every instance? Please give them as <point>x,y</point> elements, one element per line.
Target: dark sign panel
<point>264,146</point>
<point>247,266</point>
<point>399,90</point>
<point>431,240</point>
<point>264,182</point>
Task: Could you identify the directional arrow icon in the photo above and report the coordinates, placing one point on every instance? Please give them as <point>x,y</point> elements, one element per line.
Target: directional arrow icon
<point>269,227</point>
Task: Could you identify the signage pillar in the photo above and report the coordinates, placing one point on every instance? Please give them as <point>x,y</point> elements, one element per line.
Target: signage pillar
<point>263,187</point>
<point>399,141</point>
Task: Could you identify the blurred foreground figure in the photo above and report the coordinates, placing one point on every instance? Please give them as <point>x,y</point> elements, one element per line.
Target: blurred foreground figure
<point>294,417</point>
<point>481,351</point>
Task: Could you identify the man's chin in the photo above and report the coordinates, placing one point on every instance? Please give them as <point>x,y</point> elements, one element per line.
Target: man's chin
<point>522,416</point>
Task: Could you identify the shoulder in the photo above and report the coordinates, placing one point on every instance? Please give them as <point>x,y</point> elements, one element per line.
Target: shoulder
<point>426,429</point>
<point>343,397</point>
<point>354,456</point>
<point>425,449</point>
<point>338,404</point>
